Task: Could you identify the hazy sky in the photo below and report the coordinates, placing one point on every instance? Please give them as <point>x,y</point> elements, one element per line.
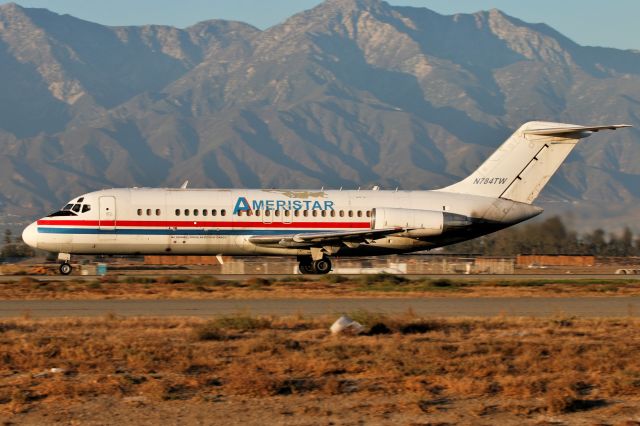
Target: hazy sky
<point>612,23</point>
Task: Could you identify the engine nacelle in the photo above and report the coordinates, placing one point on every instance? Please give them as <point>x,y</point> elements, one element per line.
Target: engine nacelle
<point>417,223</point>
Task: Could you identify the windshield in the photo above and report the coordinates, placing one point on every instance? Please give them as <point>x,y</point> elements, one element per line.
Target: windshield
<point>72,209</point>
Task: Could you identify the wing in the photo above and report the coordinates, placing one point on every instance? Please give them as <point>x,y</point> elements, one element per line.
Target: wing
<point>559,131</point>
<point>320,238</point>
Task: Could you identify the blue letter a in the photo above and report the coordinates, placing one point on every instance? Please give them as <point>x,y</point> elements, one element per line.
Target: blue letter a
<point>242,205</point>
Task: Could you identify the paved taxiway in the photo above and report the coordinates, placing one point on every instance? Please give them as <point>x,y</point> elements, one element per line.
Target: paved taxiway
<point>440,307</point>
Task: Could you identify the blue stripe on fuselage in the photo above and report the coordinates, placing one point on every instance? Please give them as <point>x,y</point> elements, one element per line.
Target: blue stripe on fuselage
<point>124,231</point>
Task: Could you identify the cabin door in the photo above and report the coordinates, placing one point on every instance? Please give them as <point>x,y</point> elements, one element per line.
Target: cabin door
<point>107,219</point>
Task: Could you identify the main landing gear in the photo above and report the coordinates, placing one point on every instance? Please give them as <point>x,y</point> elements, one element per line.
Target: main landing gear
<point>65,266</point>
<point>317,267</point>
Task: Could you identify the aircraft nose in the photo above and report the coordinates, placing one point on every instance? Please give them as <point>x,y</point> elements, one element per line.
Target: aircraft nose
<point>30,235</point>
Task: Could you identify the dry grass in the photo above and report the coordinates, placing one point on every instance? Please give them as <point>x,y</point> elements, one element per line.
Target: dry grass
<point>550,366</point>
<point>330,286</point>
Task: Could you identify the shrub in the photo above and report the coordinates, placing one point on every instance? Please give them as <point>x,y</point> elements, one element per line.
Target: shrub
<point>208,331</point>
<point>379,328</point>
<point>170,280</point>
<point>334,279</point>
<point>241,322</point>
<point>385,279</point>
<point>420,327</point>
<point>367,318</point>
<point>257,282</point>
<point>442,283</point>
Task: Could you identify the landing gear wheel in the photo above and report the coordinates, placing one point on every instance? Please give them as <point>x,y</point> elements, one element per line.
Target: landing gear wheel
<point>322,266</point>
<point>306,267</point>
<point>65,268</point>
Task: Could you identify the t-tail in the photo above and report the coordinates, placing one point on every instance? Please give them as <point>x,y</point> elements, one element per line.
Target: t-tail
<point>523,165</point>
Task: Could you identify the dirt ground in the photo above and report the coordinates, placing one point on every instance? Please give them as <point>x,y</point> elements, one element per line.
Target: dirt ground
<point>273,370</point>
<point>331,286</point>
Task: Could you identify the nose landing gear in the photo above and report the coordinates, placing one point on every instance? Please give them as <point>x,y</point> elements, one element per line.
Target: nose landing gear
<point>309,266</point>
<point>65,266</point>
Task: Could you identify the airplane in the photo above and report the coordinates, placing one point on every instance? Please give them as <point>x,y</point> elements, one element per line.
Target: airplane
<point>313,225</point>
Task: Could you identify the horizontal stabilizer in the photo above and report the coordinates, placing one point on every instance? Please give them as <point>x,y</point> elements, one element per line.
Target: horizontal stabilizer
<point>560,131</point>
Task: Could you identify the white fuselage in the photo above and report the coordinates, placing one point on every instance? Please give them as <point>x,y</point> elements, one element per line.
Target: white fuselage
<point>221,221</point>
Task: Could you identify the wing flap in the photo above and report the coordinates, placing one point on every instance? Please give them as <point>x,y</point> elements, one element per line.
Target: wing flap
<point>317,238</point>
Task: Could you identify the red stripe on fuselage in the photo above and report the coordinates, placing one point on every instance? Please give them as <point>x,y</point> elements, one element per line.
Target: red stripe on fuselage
<point>201,224</point>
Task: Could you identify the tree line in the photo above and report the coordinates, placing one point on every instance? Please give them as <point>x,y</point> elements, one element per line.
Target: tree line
<point>551,237</point>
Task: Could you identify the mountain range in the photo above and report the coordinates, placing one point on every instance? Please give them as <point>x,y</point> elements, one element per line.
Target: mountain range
<point>352,93</point>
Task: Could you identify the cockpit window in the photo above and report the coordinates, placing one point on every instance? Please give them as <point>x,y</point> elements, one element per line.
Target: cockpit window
<point>62,213</point>
<point>80,200</point>
<point>86,208</point>
<point>76,208</point>
<point>67,207</point>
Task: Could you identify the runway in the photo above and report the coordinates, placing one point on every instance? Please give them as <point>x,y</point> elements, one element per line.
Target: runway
<point>430,307</point>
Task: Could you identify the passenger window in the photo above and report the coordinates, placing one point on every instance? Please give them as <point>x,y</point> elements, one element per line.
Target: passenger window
<point>305,213</point>
<point>186,212</point>
<point>350,213</point>
<point>240,213</point>
<point>205,212</point>
<point>296,213</point>
<point>139,212</point>
<point>223,212</point>
<point>277,213</point>
<point>177,212</point>
<point>368,213</point>
<point>315,213</point>
<point>287,213</point>
<point>333,213</point>
<point>86,208</point>
<point>324,213</point>
<point>267,212</point>
<point>76,208</point>
<point>257,212</point>
<point>359,213</point>
<point>195,212</point>
<point>341,213</point>
<point>249,213</point>
<point>148,212</point>
<point>158,212</point>
<point>214,212</point>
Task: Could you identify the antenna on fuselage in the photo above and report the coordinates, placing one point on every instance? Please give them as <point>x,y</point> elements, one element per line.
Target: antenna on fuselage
<point>185,184</point>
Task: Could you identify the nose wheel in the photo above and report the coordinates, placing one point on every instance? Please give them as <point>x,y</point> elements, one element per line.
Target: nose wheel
<point>308,266</point>
<point>65,268</point>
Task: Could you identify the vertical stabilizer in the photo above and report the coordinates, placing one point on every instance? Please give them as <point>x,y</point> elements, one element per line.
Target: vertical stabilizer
<point>523,165</point>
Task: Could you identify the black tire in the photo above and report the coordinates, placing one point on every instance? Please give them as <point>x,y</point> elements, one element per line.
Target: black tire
<point>306,268</point>
<point>65,268</point>
<point>322,266</point>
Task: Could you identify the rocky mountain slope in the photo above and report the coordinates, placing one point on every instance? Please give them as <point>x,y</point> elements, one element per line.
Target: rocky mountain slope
<point>352,93</point>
